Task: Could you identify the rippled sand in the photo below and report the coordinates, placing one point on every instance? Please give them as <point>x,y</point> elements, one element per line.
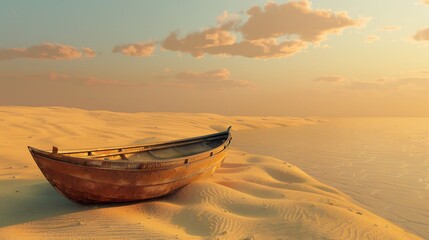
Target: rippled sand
<point>383,163</point>
<point>250,197</point>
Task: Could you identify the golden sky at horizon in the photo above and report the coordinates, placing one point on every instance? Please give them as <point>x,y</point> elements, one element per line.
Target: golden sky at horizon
<point>299,58</point>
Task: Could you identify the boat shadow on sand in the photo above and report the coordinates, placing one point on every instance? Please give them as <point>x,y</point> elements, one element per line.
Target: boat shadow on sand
<point>31,200</point>
<point>28,200</point>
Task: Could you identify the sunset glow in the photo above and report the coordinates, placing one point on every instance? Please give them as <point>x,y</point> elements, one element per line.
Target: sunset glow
<point>298,58</point>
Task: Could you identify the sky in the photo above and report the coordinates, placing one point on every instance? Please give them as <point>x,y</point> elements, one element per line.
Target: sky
<point>262,58</point>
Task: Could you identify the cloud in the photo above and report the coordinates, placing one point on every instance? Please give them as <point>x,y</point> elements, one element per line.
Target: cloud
<point>54,76</point>
<point>225,45</point>
<point>415,72</point>
<point>197,43</point>
<point>411,80</point>
<point>208,80</point>
<point>143,49</point>
<point>329,79</point>
<point>261,49</point>
<point>425,2</point>
<point>53,51</point>
<point>421,35</point>
<point>371,38</point>
<point>294,19</point>
<point>389,28</point>
<point>384,84</point>
<point>277,31</point>
<point>213,79</point>
<point>60,77</point>
<point>91,80</point>
<point>89,52</point>
<point>228,20</point>
<point>217,74</point>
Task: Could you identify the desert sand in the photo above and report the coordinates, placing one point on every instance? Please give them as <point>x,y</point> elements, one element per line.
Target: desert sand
<point>249,197</point>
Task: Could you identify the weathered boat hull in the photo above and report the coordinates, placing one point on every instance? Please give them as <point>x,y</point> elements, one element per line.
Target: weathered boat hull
<point>126,181</point>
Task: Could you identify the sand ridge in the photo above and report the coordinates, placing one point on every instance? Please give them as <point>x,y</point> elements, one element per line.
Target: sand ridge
<point>250,197</point>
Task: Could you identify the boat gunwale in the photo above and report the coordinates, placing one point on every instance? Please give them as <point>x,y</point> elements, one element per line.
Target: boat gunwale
<point>121,165</point>
<point>71,151</point>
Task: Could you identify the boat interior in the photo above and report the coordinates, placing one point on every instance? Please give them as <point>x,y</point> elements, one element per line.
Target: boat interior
<point>154,152</point>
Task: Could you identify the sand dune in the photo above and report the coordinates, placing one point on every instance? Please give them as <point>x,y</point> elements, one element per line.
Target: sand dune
<point>250,197</point>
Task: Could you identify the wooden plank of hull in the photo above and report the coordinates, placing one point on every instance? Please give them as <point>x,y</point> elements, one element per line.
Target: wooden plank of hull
<point>85,184</point>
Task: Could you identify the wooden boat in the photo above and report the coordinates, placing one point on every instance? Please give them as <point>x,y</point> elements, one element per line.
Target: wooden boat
<point>131,173</point>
